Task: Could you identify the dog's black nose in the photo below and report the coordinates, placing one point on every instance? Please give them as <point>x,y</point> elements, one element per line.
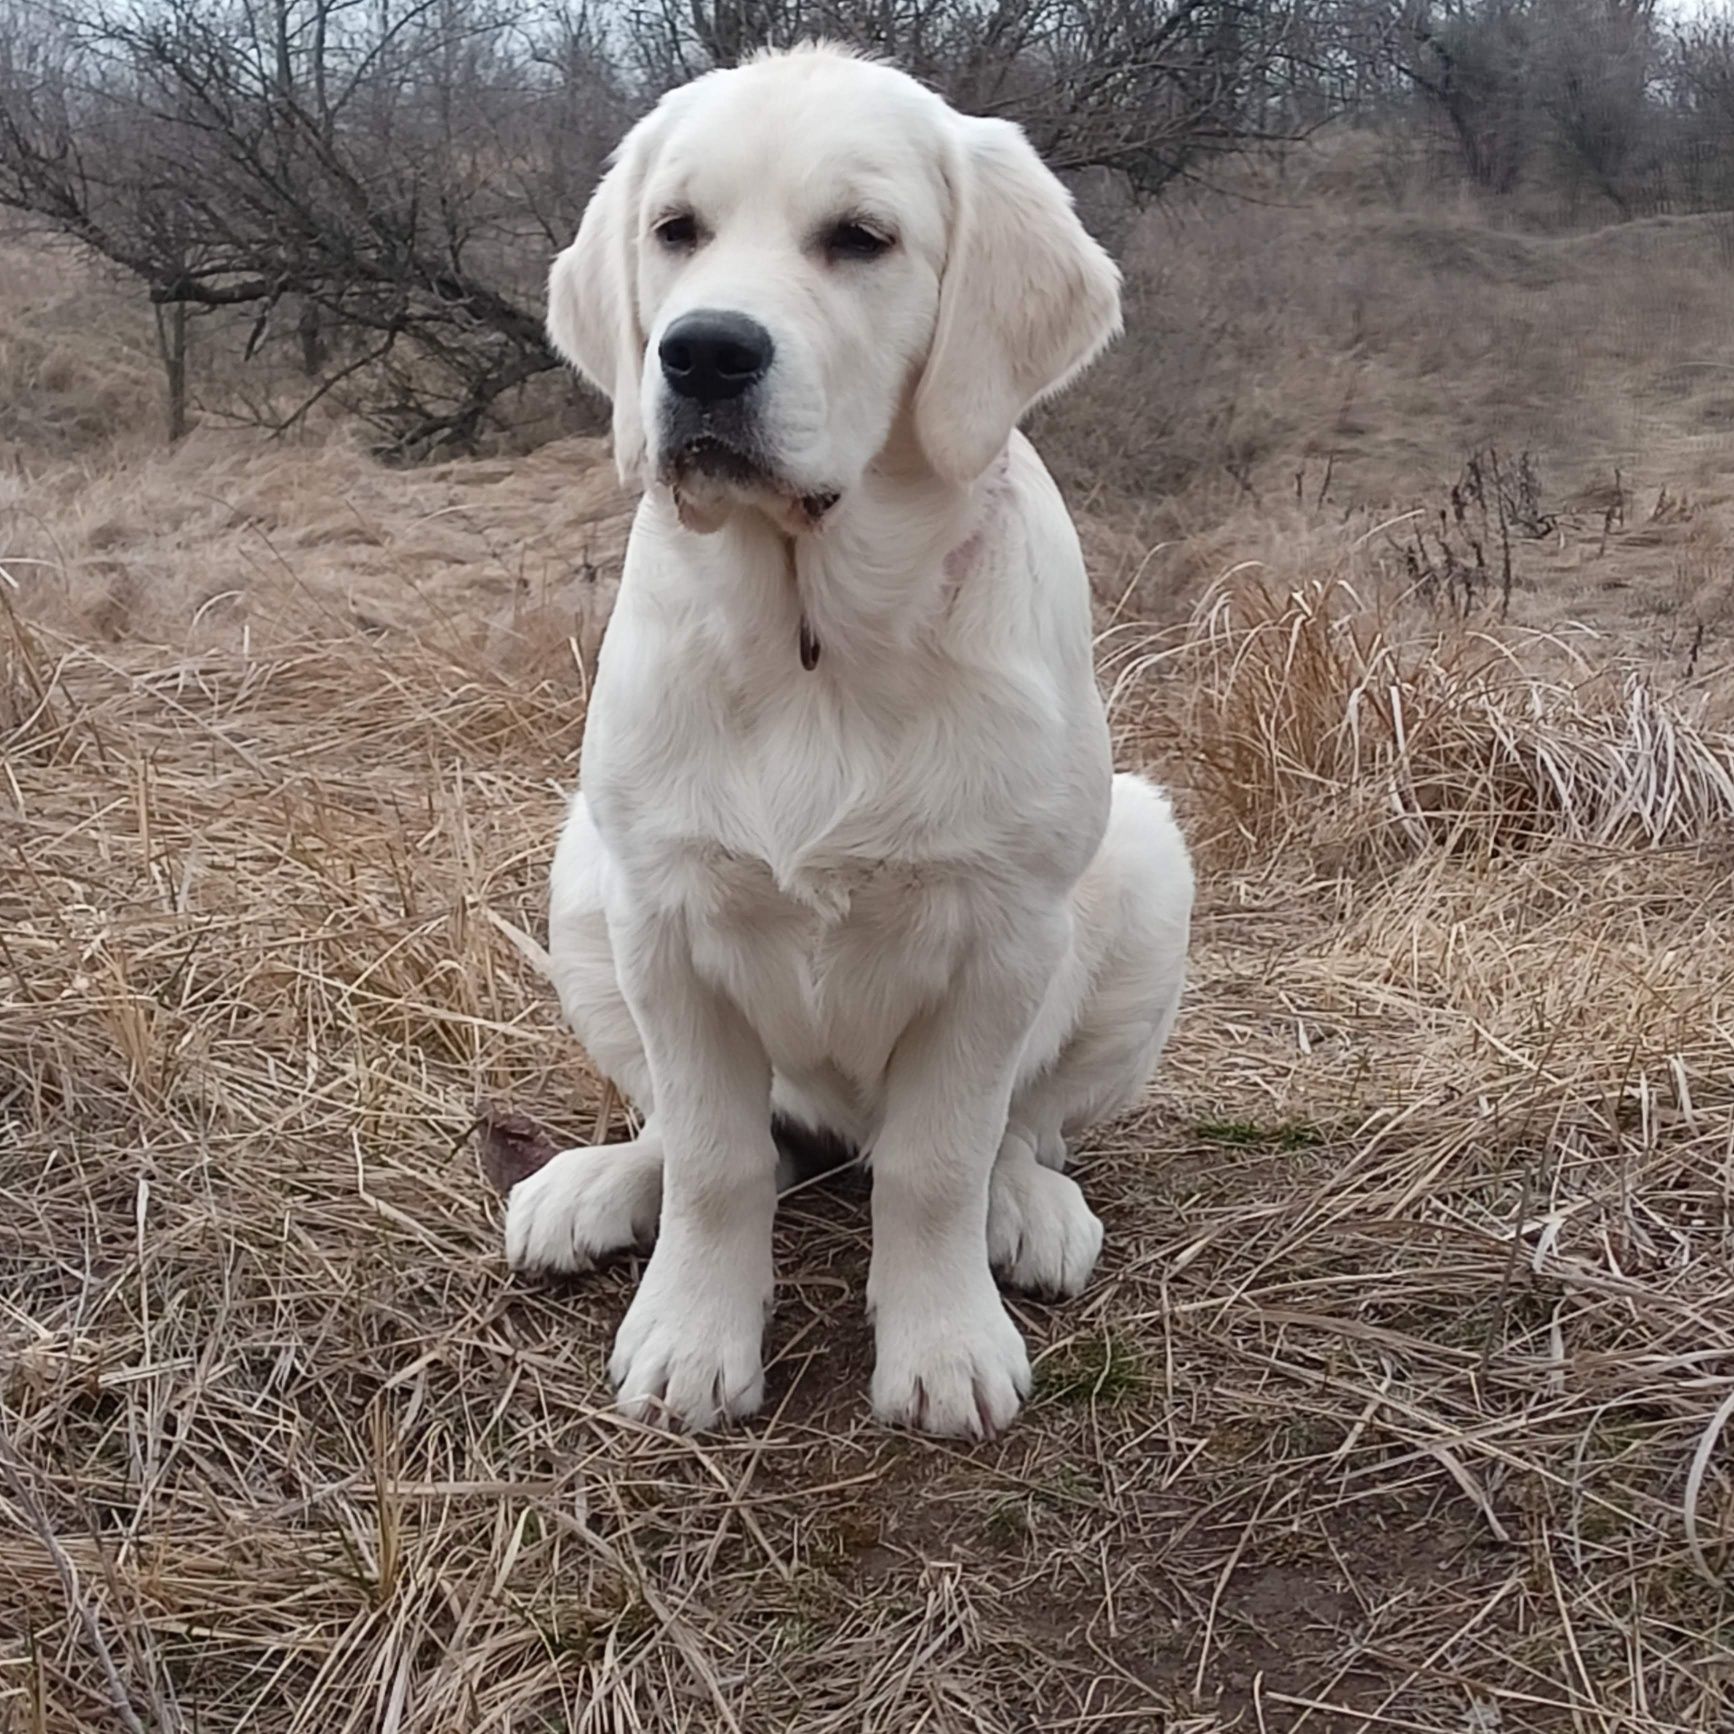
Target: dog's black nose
<point>712,356</point>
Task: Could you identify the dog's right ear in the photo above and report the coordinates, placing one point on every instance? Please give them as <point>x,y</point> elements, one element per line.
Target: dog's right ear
<point>1026,301</point>
<point>593,299</point>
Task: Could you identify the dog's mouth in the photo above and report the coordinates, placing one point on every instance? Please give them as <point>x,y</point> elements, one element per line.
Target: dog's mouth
<point>709,458</point>
<point>707,468</point>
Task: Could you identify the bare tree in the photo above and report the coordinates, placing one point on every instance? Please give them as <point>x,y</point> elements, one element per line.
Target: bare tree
<point>1587,90</point>
<point>376,185</point>
<point>1471,60</point>
<point>395,170</point>
<point>1145,88</point>
<point>1596,63</point>
<point>1698,83</point>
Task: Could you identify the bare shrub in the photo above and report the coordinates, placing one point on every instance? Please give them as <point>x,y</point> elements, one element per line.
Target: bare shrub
<point>1464,561</point>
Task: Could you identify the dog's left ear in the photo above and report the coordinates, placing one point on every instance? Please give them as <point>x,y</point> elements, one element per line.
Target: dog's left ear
<point>593,299</point>
<point>1027,299</point>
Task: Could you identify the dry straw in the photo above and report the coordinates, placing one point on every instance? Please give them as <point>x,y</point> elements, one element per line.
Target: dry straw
<point>1402,733</point>
<point>1395,1404</point>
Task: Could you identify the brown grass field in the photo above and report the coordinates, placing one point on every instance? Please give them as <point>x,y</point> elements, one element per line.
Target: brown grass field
<point>1402,1398</point>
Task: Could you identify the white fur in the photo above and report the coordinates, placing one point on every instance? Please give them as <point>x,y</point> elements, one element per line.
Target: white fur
<point>900,895</point>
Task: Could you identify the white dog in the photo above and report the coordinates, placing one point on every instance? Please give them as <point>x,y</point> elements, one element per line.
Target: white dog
<point>849,853</point>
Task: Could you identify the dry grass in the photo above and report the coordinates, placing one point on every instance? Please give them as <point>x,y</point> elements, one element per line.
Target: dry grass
<point>1402,1399</point>
<point>1372,731</point>
<point>1294,323</point>
<point>76,359</point>
<point>228,539</point>
<point>1395,1404</point>
<point>1309,363</point>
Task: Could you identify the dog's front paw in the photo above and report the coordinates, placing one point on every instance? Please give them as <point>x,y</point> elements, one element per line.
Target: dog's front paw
<point>1041,1235</point>
<point>688,1351</point>
<point>943,1368</point>
<point>583,1206</point>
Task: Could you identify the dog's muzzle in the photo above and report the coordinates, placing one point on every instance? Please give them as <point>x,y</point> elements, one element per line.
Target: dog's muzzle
<point>712,361</point>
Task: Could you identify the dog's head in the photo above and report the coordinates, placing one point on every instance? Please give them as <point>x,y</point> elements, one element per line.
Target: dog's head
<point>793,266</point>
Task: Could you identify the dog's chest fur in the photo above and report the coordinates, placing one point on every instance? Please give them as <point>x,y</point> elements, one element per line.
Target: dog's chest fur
<point>832,860</point>
<point>834,963</point>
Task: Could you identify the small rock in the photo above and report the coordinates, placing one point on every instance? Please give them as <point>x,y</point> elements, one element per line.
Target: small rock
<point>510,1146</point>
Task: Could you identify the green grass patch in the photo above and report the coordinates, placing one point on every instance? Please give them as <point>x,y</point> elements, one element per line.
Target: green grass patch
<point>1091,1370</point>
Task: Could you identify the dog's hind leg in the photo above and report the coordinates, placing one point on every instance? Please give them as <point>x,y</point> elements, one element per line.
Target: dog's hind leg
<point>586,1205</point>
<point>1131,917</point>
<point>589,1203</point>
<point>1041,1235</point>
<point>581,959</point>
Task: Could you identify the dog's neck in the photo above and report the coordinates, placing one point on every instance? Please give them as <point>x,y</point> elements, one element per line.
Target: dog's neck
<point>878,569</point>
<point>873,578</point>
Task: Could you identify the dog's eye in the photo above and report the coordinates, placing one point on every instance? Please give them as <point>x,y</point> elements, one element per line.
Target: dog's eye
<point>679,232</point>
<point>852,240</point>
